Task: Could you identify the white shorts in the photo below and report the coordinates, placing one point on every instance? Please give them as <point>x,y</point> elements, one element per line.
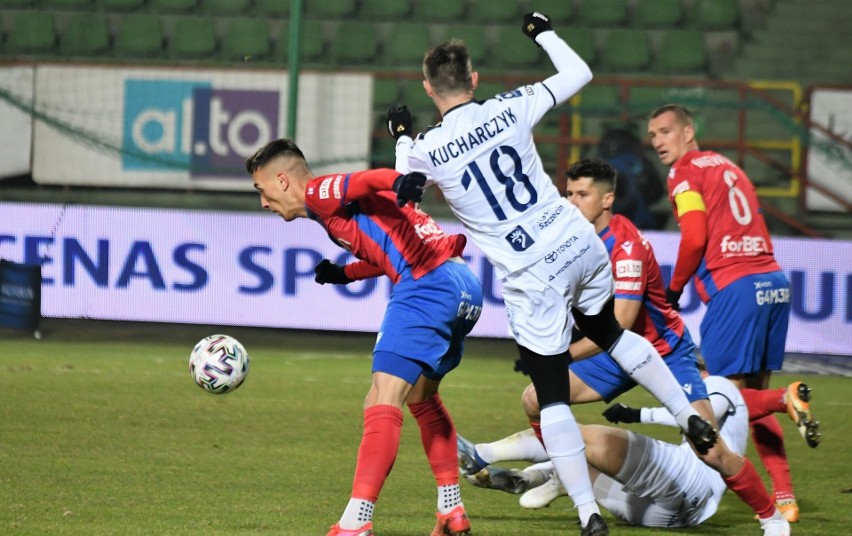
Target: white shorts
<point>665,485</point>
<point>576,273</point>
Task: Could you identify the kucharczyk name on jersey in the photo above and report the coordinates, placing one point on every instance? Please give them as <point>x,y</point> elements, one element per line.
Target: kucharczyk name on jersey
<point>768,296</point>
<point>477,136</point>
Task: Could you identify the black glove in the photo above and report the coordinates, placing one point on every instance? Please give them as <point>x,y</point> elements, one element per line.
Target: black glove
<point>409,187</point>
<point>329,272</point>
<point>673,297</point>
<point>399,121</point>
<point>535,23</point>
<point>617,413</point>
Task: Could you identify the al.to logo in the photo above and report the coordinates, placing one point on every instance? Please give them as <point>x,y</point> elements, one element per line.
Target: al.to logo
<point>180,125</point>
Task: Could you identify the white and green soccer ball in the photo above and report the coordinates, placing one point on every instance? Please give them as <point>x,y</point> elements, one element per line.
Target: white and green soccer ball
<point>219,364</point>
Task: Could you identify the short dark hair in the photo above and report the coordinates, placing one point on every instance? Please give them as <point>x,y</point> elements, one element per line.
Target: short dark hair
<point>682,112</point>
<point>271,151</point>
<point>447,67</point>
<point>596,169</point>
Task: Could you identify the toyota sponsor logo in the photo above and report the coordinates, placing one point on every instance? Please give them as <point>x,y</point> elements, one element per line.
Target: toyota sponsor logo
<point>551,257</point>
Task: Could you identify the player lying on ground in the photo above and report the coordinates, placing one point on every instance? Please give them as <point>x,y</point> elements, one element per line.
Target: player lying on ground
<point>640,480</point>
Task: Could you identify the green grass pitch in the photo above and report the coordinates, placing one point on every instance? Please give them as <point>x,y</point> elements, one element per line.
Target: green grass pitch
<point>102,432</point>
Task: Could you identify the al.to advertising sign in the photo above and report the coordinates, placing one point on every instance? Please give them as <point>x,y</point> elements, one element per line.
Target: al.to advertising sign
<point>253,269</point>
<point>173,124</point>
<point>179,128</point>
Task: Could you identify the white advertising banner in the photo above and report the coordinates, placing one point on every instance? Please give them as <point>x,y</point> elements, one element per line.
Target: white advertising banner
<point>16,95</point>
<point>829,163</point>
<point>186,129</point>
<point>249,269</point>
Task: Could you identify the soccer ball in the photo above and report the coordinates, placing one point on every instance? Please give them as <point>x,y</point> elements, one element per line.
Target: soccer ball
<point>219,364</point>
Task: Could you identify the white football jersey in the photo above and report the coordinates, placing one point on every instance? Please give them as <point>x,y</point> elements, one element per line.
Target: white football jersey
<point>483,159</point>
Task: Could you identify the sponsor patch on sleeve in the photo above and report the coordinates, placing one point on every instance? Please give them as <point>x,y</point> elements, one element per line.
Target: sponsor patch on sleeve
<point>325,185</point>
<point>633,286</point>
<point>629,268</point>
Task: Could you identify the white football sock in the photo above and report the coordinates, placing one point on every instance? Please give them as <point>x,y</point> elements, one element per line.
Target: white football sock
<point>358,513</point>
<point>566,449</point>
<point>640,360</point>
<point>523,445</point>
<point>448,498</point>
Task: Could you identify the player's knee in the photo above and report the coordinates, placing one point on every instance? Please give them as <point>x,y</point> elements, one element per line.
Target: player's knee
<point>603,328</point>
<point>529,399</point>
<point>549,375</point>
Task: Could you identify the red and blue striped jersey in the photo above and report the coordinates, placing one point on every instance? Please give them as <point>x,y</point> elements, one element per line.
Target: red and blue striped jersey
<point>738,242</point>
<point>638,277</point>
<point>360,214</point>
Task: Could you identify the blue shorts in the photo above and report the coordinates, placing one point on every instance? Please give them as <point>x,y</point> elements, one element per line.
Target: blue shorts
<point>426,322</point>
<point>744,329</point>
<point>608,379</point>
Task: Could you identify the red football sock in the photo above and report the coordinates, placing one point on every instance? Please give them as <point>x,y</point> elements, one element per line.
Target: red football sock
<point>763,402</point>
<point>438,435</point>
<point>768,438</point>
<point>379,445</point>
<point>749,488</point>
<point>536,426</point>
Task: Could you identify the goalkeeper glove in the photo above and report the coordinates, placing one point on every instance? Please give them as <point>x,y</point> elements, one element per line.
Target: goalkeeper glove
<point>673,297</point>
<point>329,272</point>
<point>409,187</point>
<point>617,413</point>
<point>535,23</point>
<point>399,121</point>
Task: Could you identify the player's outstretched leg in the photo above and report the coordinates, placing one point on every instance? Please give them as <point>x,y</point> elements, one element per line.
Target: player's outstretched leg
<point>500,478</point>
<point>469,462</point>
<point>638,357</point>
<point>799,409</point>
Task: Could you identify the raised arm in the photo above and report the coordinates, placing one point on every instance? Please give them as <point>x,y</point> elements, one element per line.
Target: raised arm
<point>572,73</point>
